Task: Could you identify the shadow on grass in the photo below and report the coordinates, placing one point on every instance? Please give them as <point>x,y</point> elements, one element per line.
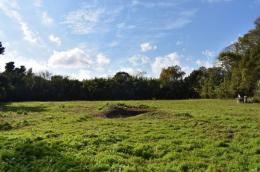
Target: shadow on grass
<point>8,107</point>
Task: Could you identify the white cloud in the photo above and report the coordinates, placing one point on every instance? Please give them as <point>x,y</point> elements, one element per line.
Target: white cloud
<point>11,10</point>
<point>94,17</point>
<point>82,74</point>
<point>176,21</point>
<point>83,21</point>
<point>209,53</point>
<point>209,57</point>
<point>11,4</point>
<point>19,60</point>
<point>153,4</point>
<point>77,59</point>
<point>46,19</point>
<point>113,44</point>
<point>138,60</point>
<point>73,58</point>
<point>181,20</point>
<point>102,59</point>
<point>147,46</point>
<point>187,70</point>
<point>55,39</point>
<point>38,3</point>
<point>165,61</point>
<point>87,74</point>
<point>28,34</point>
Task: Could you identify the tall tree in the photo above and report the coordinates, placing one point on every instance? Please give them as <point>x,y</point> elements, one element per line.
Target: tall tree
<point>242,63</point>
<point>195,81</point>
<point>172,73</point>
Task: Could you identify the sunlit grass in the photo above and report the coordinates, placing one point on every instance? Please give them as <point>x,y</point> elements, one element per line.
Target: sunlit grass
<point>188,135</point>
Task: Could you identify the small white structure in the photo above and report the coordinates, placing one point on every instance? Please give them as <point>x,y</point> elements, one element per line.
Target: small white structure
<point>241,99</point>
<point>238,98</point>
<point>245,99</point>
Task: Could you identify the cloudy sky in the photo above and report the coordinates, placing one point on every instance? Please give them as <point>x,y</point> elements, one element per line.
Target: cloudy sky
<point>97,38</point>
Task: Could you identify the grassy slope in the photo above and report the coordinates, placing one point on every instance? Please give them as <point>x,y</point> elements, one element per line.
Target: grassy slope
<point>190,135</point>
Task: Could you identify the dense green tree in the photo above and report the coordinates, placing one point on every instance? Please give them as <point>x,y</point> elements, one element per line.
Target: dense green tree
<point>210,86</point>
<point>9,67</point>
<point>3,79</point>
<point>3,87</point>
<point>195,81</point>
<point>122,76</point>
<point>242,64</point>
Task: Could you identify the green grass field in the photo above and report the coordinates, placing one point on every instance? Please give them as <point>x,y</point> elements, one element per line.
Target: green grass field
<point>188,135</point>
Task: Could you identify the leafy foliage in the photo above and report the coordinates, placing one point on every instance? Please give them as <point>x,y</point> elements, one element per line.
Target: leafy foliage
<point>172,73</point>
<point>19,84</point>
<point>242,64</point>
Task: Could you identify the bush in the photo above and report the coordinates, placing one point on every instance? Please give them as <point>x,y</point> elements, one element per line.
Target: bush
<point>255,99</point>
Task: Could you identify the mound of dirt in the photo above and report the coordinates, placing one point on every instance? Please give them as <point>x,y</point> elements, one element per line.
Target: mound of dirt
<point>123,111</point>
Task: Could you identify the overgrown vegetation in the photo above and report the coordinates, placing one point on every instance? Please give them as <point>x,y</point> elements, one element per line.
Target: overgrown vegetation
<point>187,135</point>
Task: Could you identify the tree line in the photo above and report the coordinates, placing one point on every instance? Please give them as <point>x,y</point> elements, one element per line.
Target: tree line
<point>238,72</point>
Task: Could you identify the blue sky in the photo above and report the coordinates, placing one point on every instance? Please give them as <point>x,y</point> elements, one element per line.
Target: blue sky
<point>97,38</point>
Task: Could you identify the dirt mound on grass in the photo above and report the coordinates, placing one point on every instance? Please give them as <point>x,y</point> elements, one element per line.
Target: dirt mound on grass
<point>123,111</point>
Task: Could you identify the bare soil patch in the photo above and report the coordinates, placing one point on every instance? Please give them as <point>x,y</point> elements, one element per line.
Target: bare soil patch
<point>123,111</point>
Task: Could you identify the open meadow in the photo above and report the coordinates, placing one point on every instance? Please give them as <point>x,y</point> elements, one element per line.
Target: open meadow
<point>183,135</point>
<point>130,86</point>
